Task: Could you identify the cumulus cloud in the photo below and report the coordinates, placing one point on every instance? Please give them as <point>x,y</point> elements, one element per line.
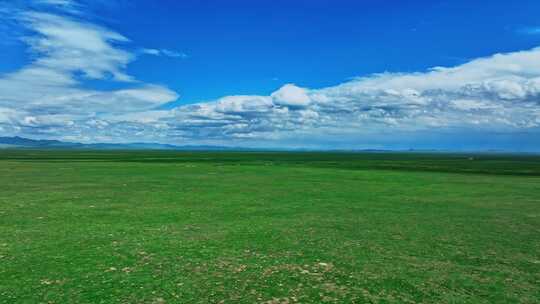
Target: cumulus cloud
<point>47,98</point>
<point>291,95</point>
<point>497,93</point>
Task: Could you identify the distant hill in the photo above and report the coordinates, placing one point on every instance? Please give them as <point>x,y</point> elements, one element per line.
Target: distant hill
<point>17,142</point>
<point>26,143</point>
<point>33,143</point>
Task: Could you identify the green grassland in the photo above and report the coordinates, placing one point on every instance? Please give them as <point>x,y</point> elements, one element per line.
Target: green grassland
<point>181,227</point>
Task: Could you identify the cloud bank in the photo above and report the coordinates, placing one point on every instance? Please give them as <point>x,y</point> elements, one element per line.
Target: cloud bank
<point>499,94</point>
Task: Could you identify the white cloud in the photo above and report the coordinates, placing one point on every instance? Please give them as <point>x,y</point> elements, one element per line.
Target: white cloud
<point>67,6</point>
<point>68,45</point>
<point>291,95</point>
<point>243,104</point>
<point>152,94</point>
<point>9,116</point>
<point>147,117</point>
<point>57,2</point>
<point>151,52</point>
<point>47,98</point>
<point>66,49</point>
<point>164,52</point>
<point>172,53</point>
<point>500,93</point>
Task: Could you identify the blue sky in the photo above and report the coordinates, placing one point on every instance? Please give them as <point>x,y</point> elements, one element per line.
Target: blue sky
<point>315,74</point>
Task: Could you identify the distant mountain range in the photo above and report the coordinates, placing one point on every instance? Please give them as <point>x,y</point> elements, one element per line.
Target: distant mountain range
<point>26,143</point>
<point>17,142</point>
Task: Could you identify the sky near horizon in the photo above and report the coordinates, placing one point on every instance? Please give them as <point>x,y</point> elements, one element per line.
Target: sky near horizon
<point>320,74</point>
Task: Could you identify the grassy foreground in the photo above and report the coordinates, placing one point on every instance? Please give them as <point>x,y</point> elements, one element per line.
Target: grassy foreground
<point>179,227</point>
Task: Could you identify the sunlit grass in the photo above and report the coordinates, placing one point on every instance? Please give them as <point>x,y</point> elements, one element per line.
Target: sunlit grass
<point>168,227</point>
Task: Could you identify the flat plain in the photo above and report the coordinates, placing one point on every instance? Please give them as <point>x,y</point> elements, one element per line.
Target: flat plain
<point>261,227</point>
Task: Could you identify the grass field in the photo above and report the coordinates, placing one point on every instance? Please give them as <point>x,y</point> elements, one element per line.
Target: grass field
<point>180,227</point>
